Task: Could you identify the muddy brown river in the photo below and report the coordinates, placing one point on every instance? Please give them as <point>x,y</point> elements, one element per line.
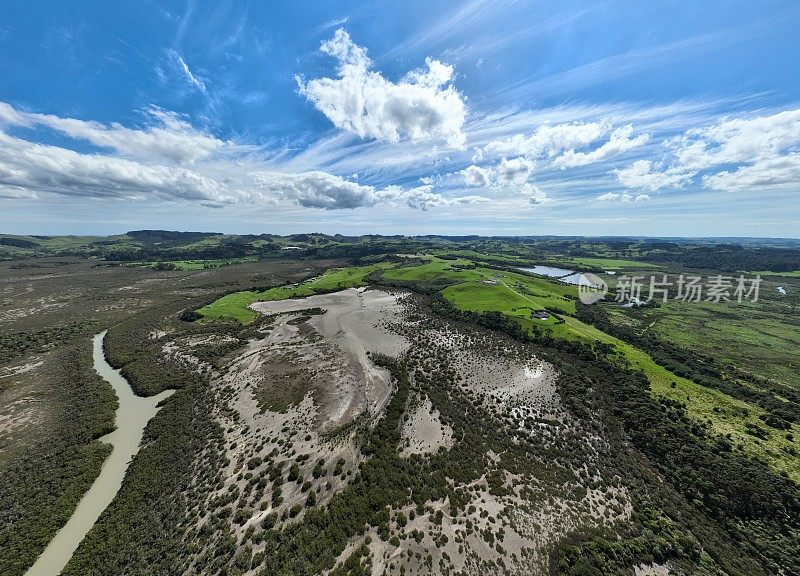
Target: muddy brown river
<point>133,414</point>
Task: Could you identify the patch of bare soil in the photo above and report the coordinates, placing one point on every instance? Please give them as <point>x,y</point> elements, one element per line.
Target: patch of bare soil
<point>651,570</point>
<point>23,403</point>
<point>423,431</point>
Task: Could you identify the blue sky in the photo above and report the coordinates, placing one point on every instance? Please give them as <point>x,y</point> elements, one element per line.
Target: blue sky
<point>485,117</point>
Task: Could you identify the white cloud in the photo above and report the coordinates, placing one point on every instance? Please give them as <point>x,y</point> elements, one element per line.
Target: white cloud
<point>621,197</point>
<point>476,176</point>
<point>620,141</point>
<point>507,175</point>
<point>423,198</point>
<point>317,190</point>
<point>330,192</point>
<point>9,115</point>
<point>772,172</point>
<point>567,143</point>
<point>738,141</point>
<point>193,79</point>
<point>514,172</point>
<point>535,196</point>
<point>733,154</point>
<point>548,140</point>
<point>640,174</point>
<point>172,161</point>
<point>40,168</point>
<point>166,138</point>
<point>421,106</point>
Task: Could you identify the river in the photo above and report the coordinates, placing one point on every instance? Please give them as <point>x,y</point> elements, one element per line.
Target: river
<point>133,414</point>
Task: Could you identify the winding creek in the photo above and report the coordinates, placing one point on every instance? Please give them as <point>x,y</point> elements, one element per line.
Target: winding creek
<point>133,414</point>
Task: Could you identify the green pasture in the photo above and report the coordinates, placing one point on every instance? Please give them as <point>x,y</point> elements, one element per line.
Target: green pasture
<point>235,305</point>
<point>614,264</point>
<point>762,338</point>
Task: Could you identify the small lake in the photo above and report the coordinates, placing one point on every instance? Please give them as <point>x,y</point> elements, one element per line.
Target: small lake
<point>551,271</point>
<point>133,414</point>
<point>560,274</point>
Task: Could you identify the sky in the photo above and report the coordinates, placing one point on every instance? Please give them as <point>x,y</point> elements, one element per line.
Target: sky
<point>493,117</point>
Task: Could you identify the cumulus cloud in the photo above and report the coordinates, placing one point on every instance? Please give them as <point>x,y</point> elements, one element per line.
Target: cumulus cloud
<point>330,192</point>
<point>621,197</point>
<point>641,175</point>
<point>738,141</point>
<point>514,172</point>
<point>733,154</point>
<point>506,173</point>
<point>772,172</point>
<point>569,145</point>
<point>421,106</point>
<point>317,190</point>
<point>170,160</point>
<point>549,140</point>
<point>423,198</point>
<point>535,196</point>
<point>621,140</point>
<point>42,168</point>
<point>476,176</point>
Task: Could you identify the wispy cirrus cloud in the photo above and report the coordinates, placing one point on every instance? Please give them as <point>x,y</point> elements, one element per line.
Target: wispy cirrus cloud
<point>166,135</point>
<point>170,160</point>
<point>181,65</point>
<point>621,65</point>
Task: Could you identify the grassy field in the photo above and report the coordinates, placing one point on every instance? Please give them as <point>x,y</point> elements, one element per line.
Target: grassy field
<point>47,244</point>
<point>435,269</point>
<point>472,254</point>
<point>762,338</point>
<point>614,264</point>
<point>235,305</point>
<point>724,414</point>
